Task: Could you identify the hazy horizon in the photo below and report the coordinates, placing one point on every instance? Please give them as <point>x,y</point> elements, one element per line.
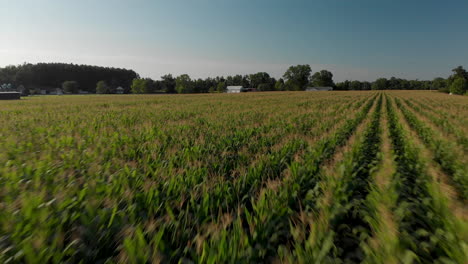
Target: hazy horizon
<point>359,40</point>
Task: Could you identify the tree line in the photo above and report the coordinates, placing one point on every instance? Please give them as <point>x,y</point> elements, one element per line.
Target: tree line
<point>56,75</point>
<point>296,78</point>
<point>93,79</point>
<point>457,83</point>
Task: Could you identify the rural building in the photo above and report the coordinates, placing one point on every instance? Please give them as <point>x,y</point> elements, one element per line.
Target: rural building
<point>119,90</point>
<point>10,96</point>
<point>239,89</point>
<point>234,89</point>
<point>318,89</point>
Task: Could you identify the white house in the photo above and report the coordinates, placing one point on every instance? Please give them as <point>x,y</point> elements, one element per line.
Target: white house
<point>318,89</point>
<point>119,90</point>
<point>234,89</point>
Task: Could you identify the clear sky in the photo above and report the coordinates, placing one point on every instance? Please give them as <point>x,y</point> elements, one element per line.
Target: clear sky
<point>355,39</point>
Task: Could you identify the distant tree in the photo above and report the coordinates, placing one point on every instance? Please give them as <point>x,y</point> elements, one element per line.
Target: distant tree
<point>393,84</point>
<point>8,74</point>
<point>52,75</point>
<point>380,84</point>
<point>102,88</point>
<point>355,85</point>
<point>426,85</point>
<point>322,78</point>
<point>265,87</point>
<point>459,86</point>
<point>168,83</point>
<point>245,81</point>
<point>460,72</point>
<point>404,84</point>
<point>235,80</point>
<point>70,87</point>
<point>439,84</point>
<point>366,85</point>
<point>279,85</point>
<point>138,86</point>
<point>144,86</point>
<point>184,84</point>
<point>221,87</point>
<point>297,77</point>
<point>25,75</point>
<point>415,85</point>
<point>258,79</point>
<point>343,86</point>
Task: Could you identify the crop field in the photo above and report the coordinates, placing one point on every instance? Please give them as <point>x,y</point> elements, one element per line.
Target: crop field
<point>285,177</point>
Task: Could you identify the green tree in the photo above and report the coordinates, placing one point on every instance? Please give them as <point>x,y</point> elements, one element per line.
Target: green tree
<point>137,86</point>
<point>235,80</point>
<point>366,85</point>
<point>459,86</point>
<point>245,82</point>
<point>355,85</point>
<point>297,77</point>
<point>70,87</point>
<point>265,87</point>
<point>102,88</point>
<point>394,84</point>
<point>380,84</point>
<point>168,83</point>
<point>460,72</point>
<point>439,84</point>
<point>221,87</point>
<point>279,85</point>
<point>343,86</point>
<point>52,75</point>
<point>322,78</point>
<point>184,84</point>
<point>143,86</point>
<point>258,79</point>
<point>415,85</point>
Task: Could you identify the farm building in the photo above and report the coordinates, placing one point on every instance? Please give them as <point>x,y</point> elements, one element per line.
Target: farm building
<point>239,89</point>
<point>234,89</point>
<point>318,89</point>
<point>10,96</point>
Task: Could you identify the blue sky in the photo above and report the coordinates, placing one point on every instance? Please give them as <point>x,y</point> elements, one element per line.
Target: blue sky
<point>359,39</point>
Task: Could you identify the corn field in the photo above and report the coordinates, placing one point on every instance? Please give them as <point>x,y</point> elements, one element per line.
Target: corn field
<point>289,177</point>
